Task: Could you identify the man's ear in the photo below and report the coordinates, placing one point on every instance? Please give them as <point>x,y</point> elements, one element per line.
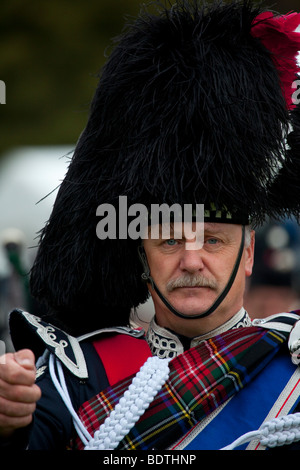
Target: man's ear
<point>249,255</point>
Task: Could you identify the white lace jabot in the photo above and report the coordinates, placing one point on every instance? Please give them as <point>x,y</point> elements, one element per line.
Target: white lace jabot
<point>166,344</point>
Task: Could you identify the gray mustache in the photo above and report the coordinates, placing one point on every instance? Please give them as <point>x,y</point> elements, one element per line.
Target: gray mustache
<point>191,281</point>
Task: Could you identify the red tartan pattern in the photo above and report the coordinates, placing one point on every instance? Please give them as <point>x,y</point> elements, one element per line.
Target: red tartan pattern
<point>200,380</point>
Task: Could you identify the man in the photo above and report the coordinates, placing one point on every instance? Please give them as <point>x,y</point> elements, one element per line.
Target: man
<point>193,106</point>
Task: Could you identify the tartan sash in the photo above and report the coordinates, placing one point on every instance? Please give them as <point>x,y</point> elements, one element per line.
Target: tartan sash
<point>273,393</point>
<point>200,380</point>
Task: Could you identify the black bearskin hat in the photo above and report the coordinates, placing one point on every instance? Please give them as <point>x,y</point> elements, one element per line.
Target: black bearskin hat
<point>189,108</point>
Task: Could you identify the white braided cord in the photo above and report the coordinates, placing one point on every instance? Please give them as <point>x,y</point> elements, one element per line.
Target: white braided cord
<point>277,432</point>
<point>141,392</point>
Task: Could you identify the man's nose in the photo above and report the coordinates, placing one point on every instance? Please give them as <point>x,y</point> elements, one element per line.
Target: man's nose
<point>191,261</point>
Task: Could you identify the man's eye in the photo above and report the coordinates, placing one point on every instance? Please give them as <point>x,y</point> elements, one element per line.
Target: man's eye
<point>212,241</point>
<point>171,242</point>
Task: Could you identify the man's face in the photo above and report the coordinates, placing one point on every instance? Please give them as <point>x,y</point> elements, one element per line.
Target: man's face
<point>192,279</point>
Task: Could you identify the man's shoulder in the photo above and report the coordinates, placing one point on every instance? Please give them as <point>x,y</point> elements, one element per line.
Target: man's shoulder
<point>31,331</point>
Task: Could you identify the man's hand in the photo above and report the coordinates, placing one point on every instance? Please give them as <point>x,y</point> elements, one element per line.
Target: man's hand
<point>18,391</point>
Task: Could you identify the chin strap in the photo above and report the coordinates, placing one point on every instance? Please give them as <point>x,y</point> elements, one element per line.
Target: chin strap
<point>146,276</point>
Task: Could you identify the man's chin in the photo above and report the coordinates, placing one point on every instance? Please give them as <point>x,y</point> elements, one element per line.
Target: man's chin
<point>191,310</point>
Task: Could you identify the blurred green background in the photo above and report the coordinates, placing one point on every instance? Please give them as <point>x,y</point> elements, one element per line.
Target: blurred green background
<point>50,53</point>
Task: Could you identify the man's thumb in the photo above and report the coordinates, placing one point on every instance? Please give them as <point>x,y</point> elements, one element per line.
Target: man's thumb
<point>25,358</point>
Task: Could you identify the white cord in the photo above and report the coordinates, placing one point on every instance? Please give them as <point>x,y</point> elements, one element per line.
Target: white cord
<point>141,392</point>
<point>63,391</point>
<point>274,433</point>
<point>145,385</point>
